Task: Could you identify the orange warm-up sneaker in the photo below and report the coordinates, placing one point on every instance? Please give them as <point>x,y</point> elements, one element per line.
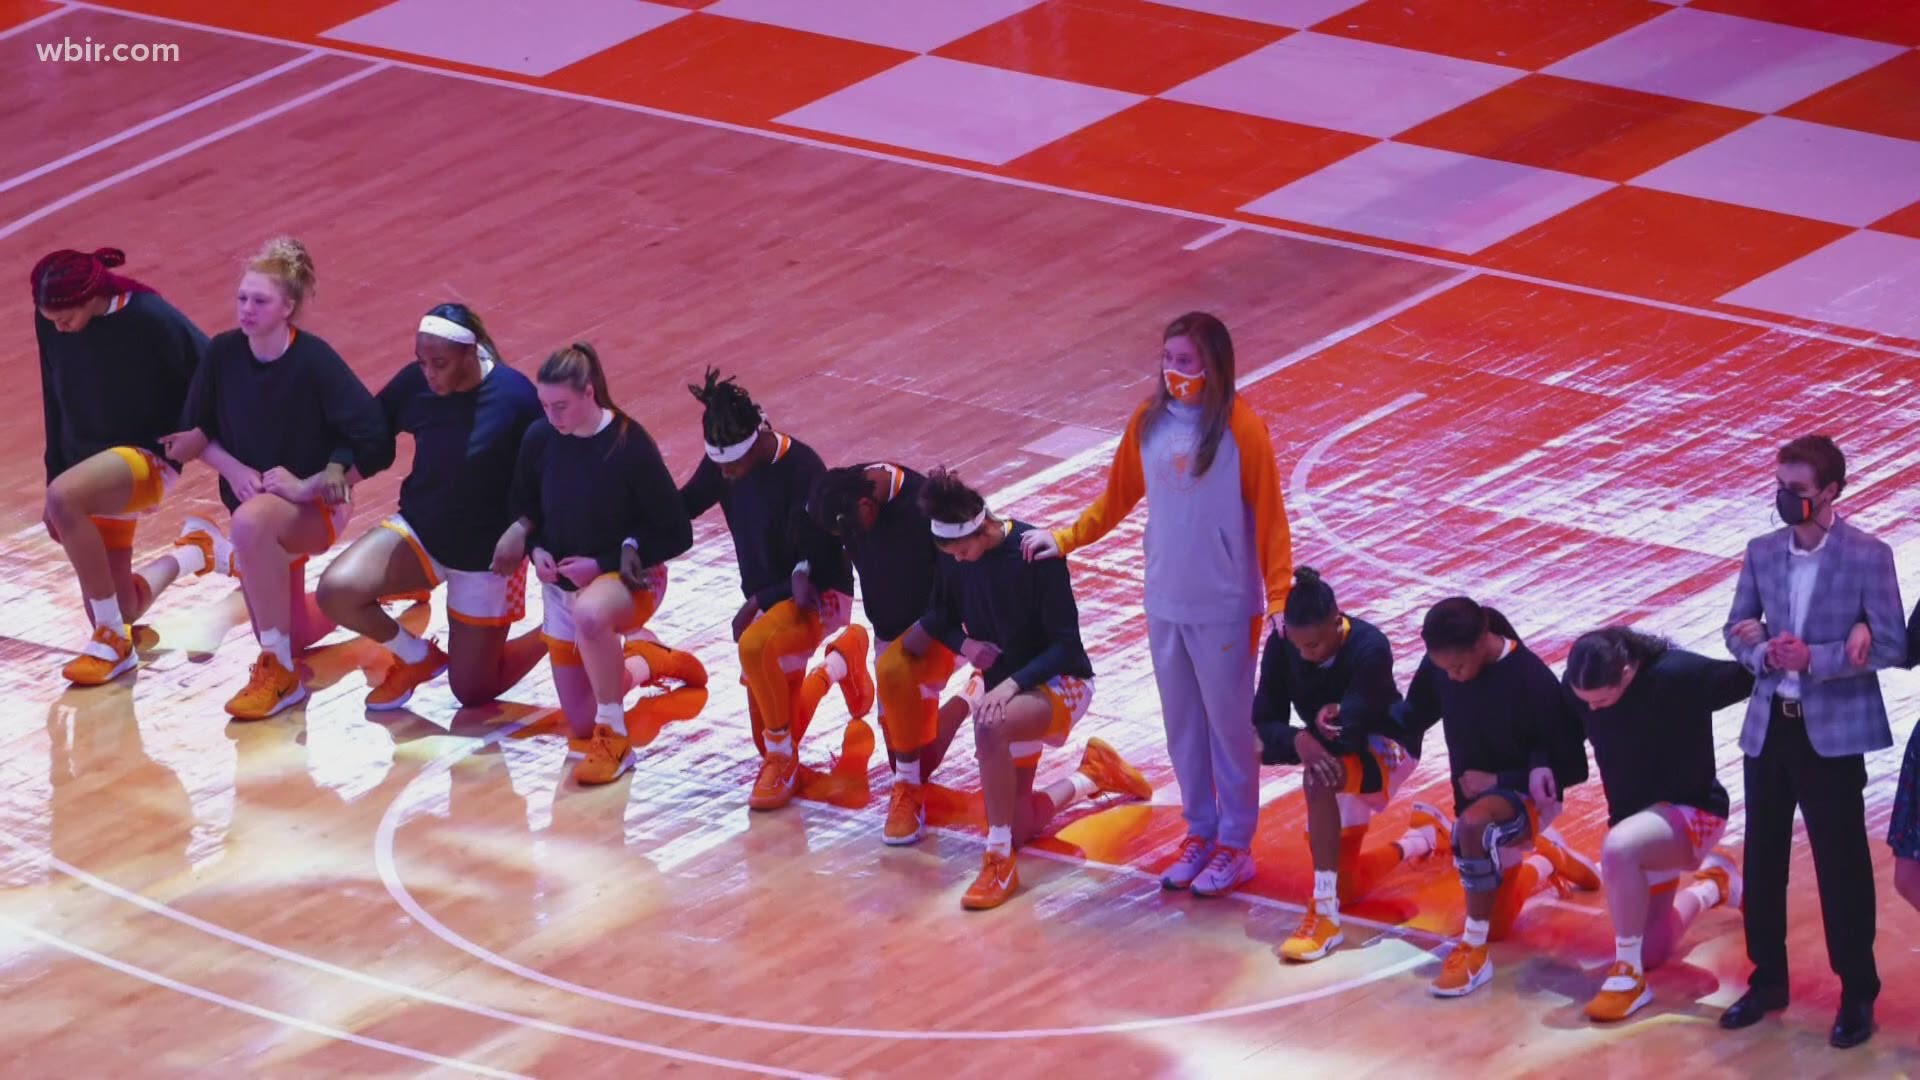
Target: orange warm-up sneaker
<point>998,880</point>
<point>403,679</point>
<point>270,690</point>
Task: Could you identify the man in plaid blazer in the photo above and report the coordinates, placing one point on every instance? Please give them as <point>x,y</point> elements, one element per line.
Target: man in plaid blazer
<point>1814,714</point>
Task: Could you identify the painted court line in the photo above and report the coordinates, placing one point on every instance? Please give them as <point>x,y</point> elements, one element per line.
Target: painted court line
<point>183,150</point>
<point>1300,496</point>
<point>190,990</point>
<point>1868,342</point>
<point>28,852</point>
<point>38,20</point>
<point>384,860</point>
<point>158,121</point>
<point>1220,233</point>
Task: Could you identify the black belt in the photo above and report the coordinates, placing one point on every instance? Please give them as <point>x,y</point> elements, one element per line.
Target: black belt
<point>1790,708</point>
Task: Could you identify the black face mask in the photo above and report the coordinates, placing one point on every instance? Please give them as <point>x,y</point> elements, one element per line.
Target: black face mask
<point>1794,509</point>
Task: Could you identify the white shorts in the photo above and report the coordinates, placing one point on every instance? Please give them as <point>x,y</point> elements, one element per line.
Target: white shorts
<point>1395,764</point>
<point>557,616</point>
<point>474,597</point>
<point>1703,831</point>
<point>1070,697</point>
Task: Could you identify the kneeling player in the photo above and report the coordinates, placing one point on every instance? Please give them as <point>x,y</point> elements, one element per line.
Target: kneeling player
<point>1017,621</point>
<point>1337,672</point>
<point>1515,746</point>
<point>1649,711</point>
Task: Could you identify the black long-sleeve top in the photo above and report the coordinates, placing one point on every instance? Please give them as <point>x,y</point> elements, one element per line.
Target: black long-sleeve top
<point>122,380</point>
<point>1025,609</point>
<point>1656,743</point>
<point>766,512</point>
<point>1359,678</point>
<point>587,495</point>
<point>1509,720</point>
<point>301,411</point>
<point>459,496</point>
<point>1913,637</point>
<point>896,559</point>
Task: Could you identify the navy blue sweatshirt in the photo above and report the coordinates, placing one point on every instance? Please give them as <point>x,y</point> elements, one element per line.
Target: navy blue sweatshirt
<point>122,380</point>
<point>1025,609</point>
<point>1359,678</point>
<point>586,495</point>
<point>1656,743</point>
<point>1509,720</point>
<point>896,559</point>
<point>301,411</point>
<point>766,512</point>
<point>458,498</point>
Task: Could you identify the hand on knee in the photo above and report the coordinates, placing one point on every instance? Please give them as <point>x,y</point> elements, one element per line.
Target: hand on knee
<point>990,740</point>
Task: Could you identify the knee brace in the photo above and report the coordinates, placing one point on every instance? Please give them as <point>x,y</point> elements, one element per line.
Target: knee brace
<point>1483,874</point>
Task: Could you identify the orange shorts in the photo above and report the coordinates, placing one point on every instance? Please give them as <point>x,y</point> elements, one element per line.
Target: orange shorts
<point>1070,697</point>
<point>1372,780</point>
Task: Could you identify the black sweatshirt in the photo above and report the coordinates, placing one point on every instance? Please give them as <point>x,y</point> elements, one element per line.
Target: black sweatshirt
<point>1359,678</point>
<point>1656,743</point>
<point>586,495</point>
<point>302,411</point>
<point>766,511</point>
<point>458,498</point>
<point>1509,720</point>
<point>896,559</point>
<point>1026,609</point>
<point>122,380</point>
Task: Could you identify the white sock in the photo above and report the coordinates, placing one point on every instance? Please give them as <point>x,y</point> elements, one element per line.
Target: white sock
<point>1701,894</point>
<point>1000,839</point>
<point>410,649</point>
<point>1626,950</point>
<point>275,642</point>
<point>1083,788</point>
<point>779,744</point>
<point>611,714</point>
<point>1476,934</point>
<point>1416,843</point>
<point>1326,891</point>
<point>107,613</point>
<point>190,558</point>
<point>906,772</point>
<point>836,666</point>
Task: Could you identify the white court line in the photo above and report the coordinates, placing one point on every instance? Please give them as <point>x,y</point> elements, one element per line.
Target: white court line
<point>1220,233</point>
<point>190,990</point>
<point>164,118</point>
<point>181,151</point>
<point>401,895</point>
<point>1869,341</point>
<point>1300,499</point>
<point>21,28</point>
<point>27,851</point>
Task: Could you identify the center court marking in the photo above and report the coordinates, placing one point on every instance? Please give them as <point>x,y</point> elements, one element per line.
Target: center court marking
<point>397,889</point>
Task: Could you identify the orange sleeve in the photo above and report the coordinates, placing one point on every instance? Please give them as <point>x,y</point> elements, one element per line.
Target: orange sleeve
<point>1260,487</point>
<point>1126,484</point>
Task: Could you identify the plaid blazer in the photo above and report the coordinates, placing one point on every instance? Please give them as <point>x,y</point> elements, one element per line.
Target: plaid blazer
<point>1856,582</point>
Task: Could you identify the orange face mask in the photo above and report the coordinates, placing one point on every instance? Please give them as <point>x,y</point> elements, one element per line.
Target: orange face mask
<point>1184,388</point>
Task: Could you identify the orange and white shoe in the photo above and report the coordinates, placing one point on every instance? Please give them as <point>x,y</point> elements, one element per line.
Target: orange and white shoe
<point>105,658</point>
<point>998,880</point>
<point>1429,816</point>
<point>200,533</point>
<point>1621,995</point>
<point>608,757</point>
<point>145,638</point>
<point>1720,870</point>
<point>1578,870</point>
<point>403,679</point>
<point>271,689</point>
<point>906,815</point>
<point>1110,772</point>
<point>1467,968</point>
<point>773,788</point>
<point>1319,934</point>
<point>852,647</point>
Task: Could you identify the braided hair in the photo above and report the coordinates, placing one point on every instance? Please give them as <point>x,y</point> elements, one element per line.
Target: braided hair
<point>68,278</point>
<point>730,417</point>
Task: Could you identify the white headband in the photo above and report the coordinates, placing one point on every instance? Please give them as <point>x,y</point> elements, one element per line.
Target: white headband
<point>447,328</point>
<point>727,455</point>
<point>945,530</point>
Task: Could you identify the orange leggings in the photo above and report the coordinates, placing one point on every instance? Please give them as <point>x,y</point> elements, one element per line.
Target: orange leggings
<point>909,692</point>
<point>778,636</point>
<point>1361,868</point>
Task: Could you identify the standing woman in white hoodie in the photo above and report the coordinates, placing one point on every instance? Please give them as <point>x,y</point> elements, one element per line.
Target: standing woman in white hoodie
<point>1219,564</point>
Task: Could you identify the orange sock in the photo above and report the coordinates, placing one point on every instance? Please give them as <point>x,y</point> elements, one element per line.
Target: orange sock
<point>782,632</point>
<point>1362,868</point>
<point>1517,886</point>
<point>909,717</point>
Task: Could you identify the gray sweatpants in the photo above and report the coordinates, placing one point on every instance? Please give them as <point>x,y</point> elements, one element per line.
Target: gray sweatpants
<point>1205,673</point>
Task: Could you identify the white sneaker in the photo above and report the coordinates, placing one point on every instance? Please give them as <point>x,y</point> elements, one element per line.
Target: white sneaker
<point>1225,871</point>
<point>205,535</point>
<point>1188,864</point>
